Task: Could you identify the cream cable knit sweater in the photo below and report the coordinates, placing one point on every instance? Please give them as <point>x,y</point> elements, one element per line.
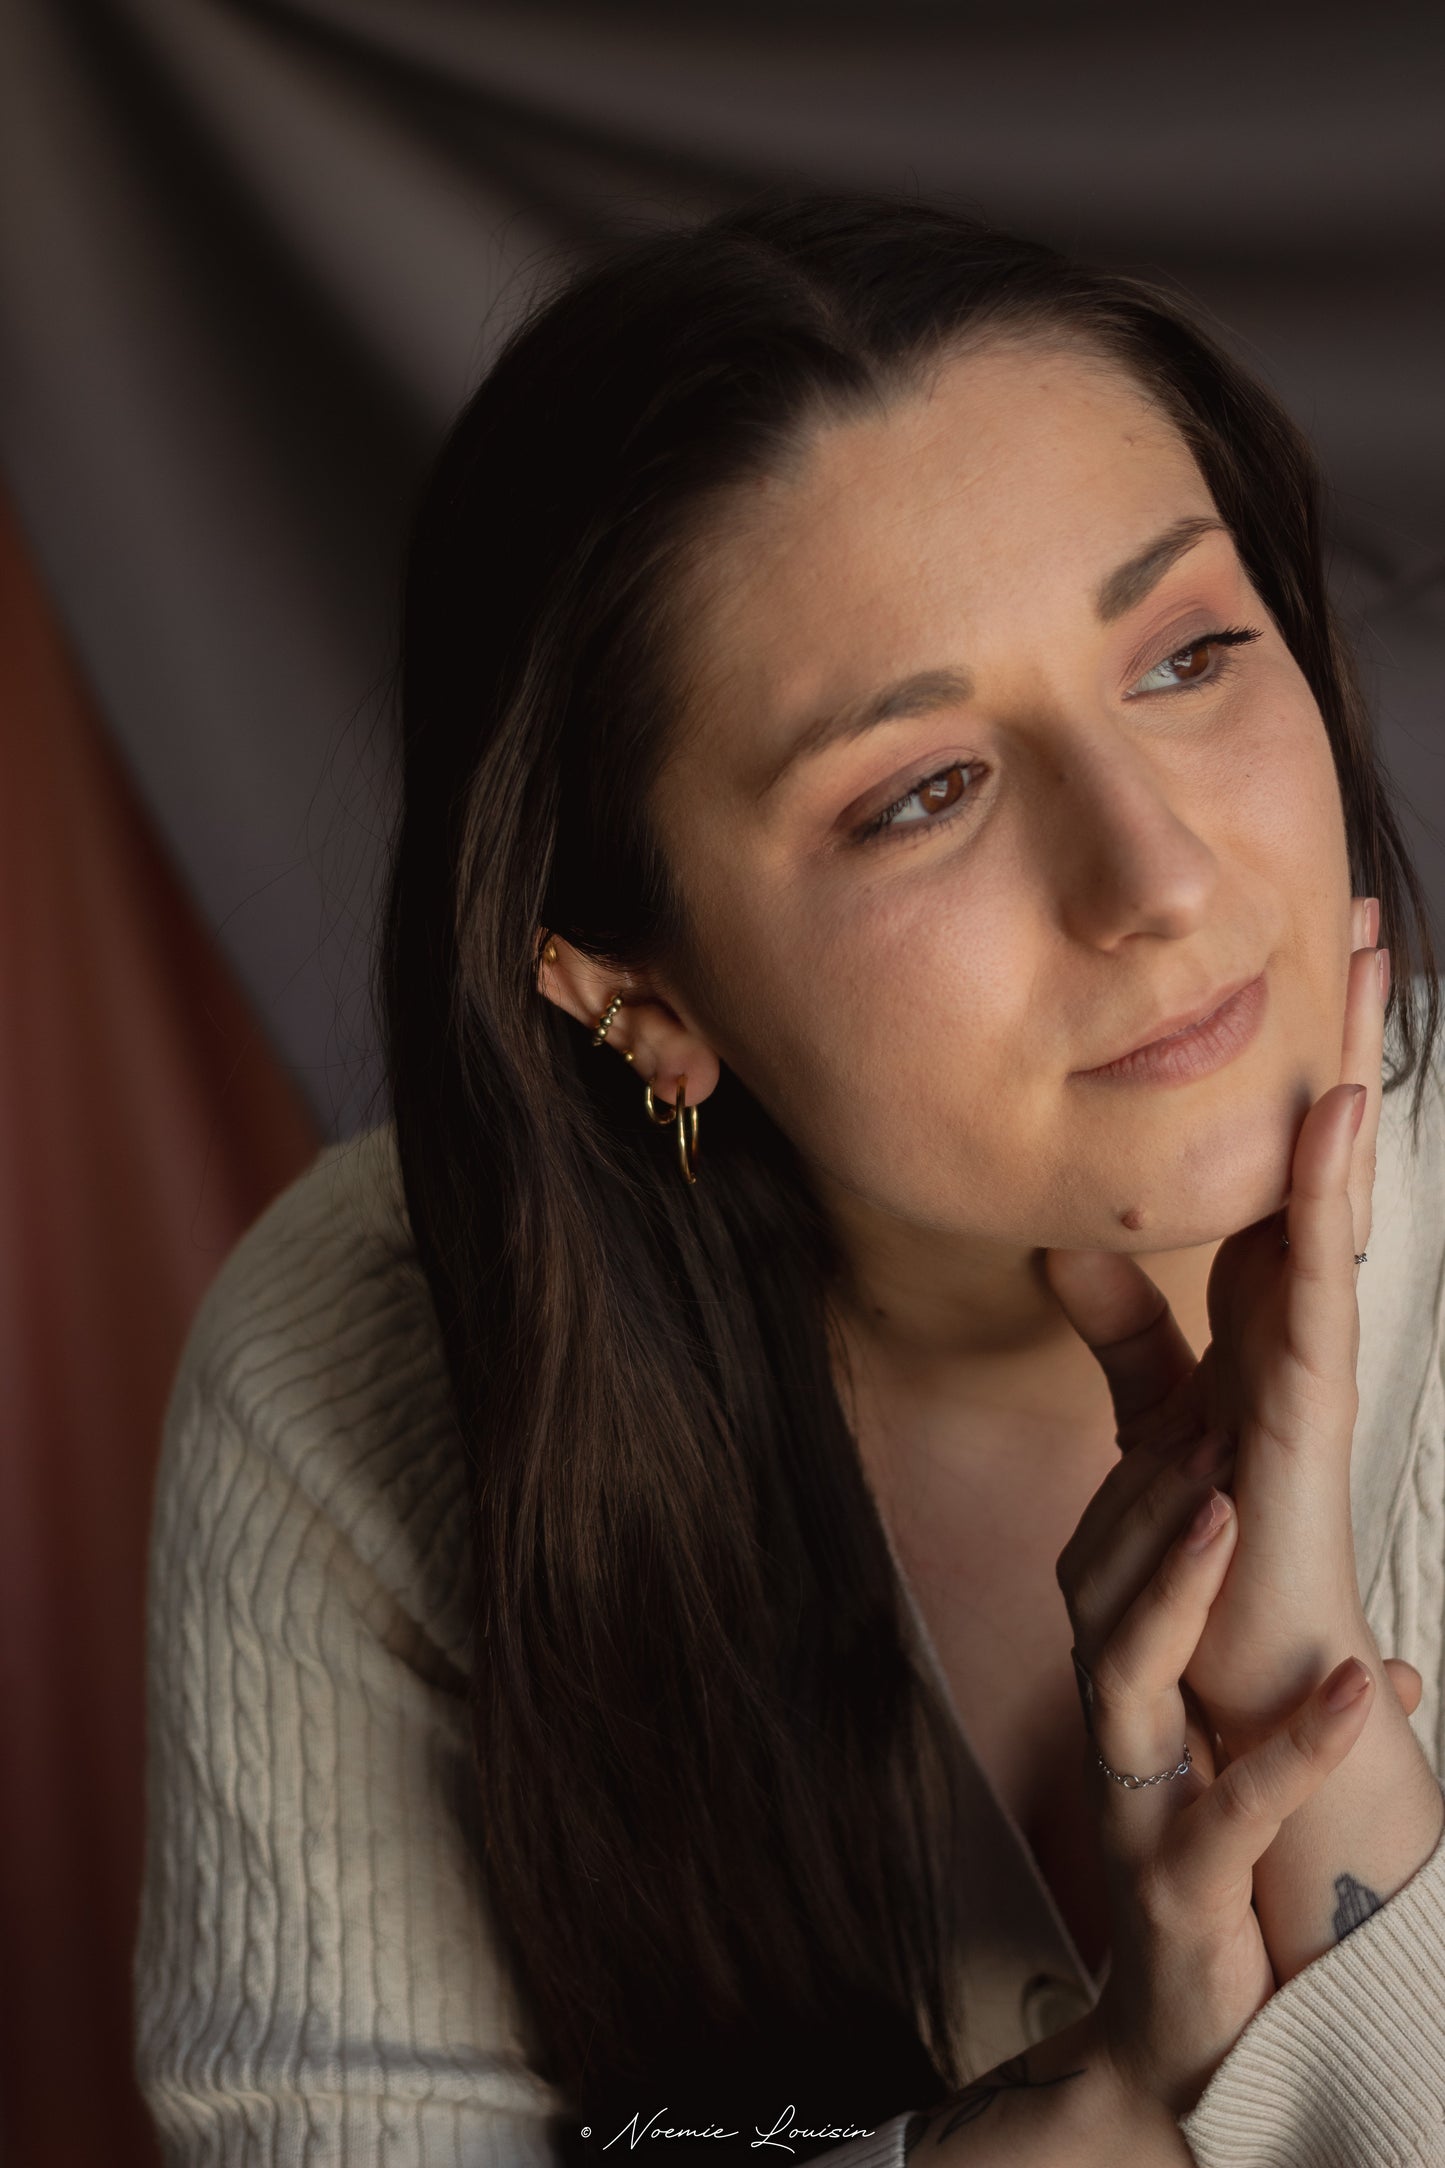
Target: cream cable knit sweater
<point>316,1979</point>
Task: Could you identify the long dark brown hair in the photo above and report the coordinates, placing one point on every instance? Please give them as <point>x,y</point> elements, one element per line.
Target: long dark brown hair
<point>719,1810</point>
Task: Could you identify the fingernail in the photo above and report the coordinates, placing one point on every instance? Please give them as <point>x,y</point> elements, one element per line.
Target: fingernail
<point>1207,1522</point>
<point>1357,1109</point>
<point>1348,1685</point>
<point>1372,920</point>
<point>1382,968</point>
<point>1208,1454</point>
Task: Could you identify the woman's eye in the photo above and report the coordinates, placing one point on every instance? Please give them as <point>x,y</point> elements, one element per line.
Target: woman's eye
<point>933,800</point>
<point>1191,665</point>
<point>934,796</point>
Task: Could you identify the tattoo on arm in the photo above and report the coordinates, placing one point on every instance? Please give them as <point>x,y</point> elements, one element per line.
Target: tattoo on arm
<point>976,2098</point>
<point>1354,1901</point>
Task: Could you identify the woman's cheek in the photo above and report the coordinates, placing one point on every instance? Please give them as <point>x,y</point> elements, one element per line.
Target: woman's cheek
<point>1289,785</point>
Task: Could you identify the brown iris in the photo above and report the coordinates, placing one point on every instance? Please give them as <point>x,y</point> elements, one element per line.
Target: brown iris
<point>1199,648</point>
<point>944,789</point>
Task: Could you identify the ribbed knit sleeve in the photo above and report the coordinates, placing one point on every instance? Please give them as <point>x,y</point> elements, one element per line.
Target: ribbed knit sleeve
<point>315,1971</point>
<point>1344,2067</point>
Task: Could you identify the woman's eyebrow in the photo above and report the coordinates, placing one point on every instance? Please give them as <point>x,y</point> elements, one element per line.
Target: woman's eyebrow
<point>1130,582</point>
<point>924,691</point>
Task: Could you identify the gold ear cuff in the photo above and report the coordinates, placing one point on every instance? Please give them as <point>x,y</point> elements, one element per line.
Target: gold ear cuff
<point>685,1116</point>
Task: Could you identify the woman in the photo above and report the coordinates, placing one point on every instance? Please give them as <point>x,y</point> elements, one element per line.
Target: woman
<point>669,1551</point>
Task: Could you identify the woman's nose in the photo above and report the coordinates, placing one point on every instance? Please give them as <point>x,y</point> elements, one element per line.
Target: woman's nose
<point>1125,858</point>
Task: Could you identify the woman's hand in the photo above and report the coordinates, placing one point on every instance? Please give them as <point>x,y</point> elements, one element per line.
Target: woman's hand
<point>1188,1965</point>
<point>1274,1391</point>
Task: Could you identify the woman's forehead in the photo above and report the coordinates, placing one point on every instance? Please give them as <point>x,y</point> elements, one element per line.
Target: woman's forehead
<point>998,439</point>
<point>1016,481</point>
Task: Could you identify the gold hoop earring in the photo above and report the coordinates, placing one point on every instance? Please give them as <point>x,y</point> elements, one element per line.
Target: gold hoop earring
<point>605,1022</point>
<point>686,1144</point>
<point>687,1125</point>
<point>661,1118</point>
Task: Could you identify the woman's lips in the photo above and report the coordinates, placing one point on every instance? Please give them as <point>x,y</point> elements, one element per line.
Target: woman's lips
<point>1203,1047</point>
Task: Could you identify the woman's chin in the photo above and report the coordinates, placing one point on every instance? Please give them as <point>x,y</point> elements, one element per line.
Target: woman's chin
<point>1221,1179</point>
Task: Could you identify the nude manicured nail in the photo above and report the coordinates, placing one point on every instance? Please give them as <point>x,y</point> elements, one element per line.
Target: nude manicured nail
<point>1207,1522</point>
<point>1372,921</point>
<point>1382,968</point>
<point>1349,1685</point>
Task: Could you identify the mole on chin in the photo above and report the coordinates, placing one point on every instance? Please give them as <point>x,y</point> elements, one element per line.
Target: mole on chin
<point>1133,1218</point>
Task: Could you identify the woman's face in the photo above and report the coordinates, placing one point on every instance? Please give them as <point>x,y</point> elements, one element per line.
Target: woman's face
<point>1087,823</point>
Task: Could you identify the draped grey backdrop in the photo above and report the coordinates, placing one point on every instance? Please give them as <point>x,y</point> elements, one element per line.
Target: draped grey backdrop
<point>253,257</point>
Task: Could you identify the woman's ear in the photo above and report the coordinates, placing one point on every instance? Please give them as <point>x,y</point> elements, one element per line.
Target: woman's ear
<point>646,1030</point>
<point>574,981</point>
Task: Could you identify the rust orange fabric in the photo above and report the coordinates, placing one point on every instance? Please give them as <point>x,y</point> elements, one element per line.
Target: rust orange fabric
<point>144,1123</point>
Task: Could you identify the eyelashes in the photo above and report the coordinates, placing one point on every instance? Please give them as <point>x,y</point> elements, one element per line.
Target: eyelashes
<point>1228,636</point>
<point>882,824</point>
<point>885,827</point>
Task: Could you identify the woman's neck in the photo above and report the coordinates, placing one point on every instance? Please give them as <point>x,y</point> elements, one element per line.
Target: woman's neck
<point>962,1351</point>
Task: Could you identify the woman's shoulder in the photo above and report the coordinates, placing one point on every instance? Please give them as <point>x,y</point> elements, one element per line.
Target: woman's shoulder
<point>332,1250</point>
<point>315,1362</point>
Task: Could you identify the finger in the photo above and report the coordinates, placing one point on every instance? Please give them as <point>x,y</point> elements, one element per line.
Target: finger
<point>1173,1434</point>
<point>1364,921</point>
<point>1124,1319</point>
<point>1140,1508</point>
<point>1138,1715</point>
<point>1321,1312</point>
<point>1406,1681</point>
<point>1362,1062</point>
<point>1214,1845</point>
<point>1206,1752</point>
